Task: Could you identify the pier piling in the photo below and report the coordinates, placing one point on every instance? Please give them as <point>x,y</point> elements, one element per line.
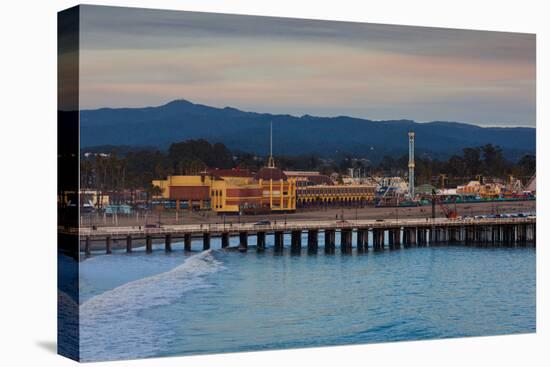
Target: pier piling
<point>108,245</point>
<point>409,237</point>
<point>496,235</point>
<point>391,240</point>
<point>346,240</point>
<point>330,241</point>
<point>168,243</point>
<point>396,236</point>
<point>187,241</point>
<point>206,241</point>
<point>362,240</point>
<point>225,239</point>
<point>279,241</point>
<point>312,241</point>
<point>87,246</point>
<point>421,234</point>
<point>470,235</point>
<point>381,238</point>
<point>243,241</point>
<point>128,243</point>
<point>375,240</point>
<point>260,241</point>
<point>148,244</point>
<point>296,242</point>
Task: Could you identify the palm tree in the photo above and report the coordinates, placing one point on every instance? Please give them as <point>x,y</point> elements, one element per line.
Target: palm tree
<point>152,191</point>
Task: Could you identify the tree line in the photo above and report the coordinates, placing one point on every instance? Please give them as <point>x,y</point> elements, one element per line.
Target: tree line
<point>115,170</point>
<point>485,161</point>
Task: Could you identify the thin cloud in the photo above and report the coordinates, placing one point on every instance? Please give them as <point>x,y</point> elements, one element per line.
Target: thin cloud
<point>136,57</point>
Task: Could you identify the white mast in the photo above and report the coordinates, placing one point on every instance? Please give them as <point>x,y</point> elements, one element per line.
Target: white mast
<point>271,161</point>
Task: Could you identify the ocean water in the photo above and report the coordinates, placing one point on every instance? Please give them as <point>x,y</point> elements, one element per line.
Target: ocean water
<point>138,305</point>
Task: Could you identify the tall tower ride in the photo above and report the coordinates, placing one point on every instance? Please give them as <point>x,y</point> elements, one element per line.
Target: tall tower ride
<point>411,164</point>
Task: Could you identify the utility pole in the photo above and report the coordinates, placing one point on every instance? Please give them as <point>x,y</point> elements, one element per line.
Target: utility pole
<point>397,210</point>
<point>434,198</point>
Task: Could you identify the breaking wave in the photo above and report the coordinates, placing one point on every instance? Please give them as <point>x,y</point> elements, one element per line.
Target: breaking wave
<point>110,323</point>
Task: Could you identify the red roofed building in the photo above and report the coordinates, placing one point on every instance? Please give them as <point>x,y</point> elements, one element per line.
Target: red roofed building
<point>229,172</point>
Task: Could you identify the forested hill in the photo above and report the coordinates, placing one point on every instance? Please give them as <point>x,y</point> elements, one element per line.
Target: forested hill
<point>182,120</point>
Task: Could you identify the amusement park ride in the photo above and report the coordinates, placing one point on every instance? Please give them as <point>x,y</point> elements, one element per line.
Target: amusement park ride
<point>449,213</point>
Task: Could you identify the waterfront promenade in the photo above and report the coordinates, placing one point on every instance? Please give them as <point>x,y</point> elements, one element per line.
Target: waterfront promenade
<point>318,214</point>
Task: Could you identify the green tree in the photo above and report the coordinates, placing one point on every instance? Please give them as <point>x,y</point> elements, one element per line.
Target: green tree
<point>527,166</point>
<point>493,160</point>
<point>387,164</point>
<point>472,161</point>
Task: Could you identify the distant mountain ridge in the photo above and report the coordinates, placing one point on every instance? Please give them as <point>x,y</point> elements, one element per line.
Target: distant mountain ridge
<point>326,136</point>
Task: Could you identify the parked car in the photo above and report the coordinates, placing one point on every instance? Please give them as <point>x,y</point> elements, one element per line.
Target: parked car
<point>264,222</point>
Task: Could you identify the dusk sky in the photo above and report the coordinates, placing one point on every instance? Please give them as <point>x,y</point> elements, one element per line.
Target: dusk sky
<point>137,57</point>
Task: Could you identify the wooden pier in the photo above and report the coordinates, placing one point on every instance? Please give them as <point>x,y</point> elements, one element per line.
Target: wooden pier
<point>377,235</point>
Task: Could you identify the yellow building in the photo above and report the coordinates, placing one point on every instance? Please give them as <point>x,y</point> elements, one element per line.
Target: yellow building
<point>278,191</point>
<point>485,191</point>
<point>472,187</point>
<point>229,191</point>
<point>326,195</point>
<point>192,189</point>
<point>489,191</point>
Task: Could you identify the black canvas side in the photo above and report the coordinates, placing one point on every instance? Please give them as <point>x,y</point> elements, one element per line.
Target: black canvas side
<point>68,183</point>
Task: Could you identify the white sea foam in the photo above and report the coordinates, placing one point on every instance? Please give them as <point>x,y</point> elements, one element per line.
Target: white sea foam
<point>110,323</point>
